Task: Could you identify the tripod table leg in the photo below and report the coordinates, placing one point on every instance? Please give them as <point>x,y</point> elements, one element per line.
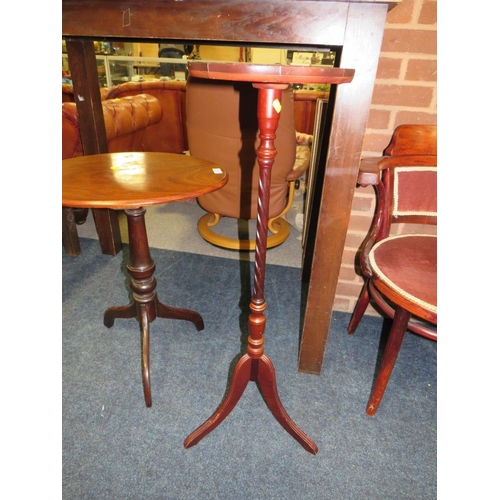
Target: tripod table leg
<point>241,377</point>
<point>146,382</point>
<point>164,311</point>
<point>145,305</point>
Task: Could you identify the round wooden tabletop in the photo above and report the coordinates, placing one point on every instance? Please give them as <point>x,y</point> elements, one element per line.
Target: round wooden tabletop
<point>133,180</point>
<point>269,73</point>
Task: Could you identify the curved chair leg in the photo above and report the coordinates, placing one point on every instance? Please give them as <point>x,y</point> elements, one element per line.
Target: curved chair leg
<point>414,326</point>
<point>359,308</point>
<point>398,329</point>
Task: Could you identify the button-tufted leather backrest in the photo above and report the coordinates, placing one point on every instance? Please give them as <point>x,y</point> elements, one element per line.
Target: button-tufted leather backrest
<point>169,134</point>
<point>125,121</point>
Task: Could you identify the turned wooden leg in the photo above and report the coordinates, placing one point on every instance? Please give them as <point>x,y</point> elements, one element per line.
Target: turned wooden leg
<point>398,329</point>
<point>359,308</point>
<point>140,268</point>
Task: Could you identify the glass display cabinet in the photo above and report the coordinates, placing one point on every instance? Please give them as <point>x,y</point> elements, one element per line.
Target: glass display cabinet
<point>113,70</point>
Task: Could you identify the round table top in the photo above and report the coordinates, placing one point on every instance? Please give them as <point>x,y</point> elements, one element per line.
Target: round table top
<point>134,180</point>
<point>269,73</point>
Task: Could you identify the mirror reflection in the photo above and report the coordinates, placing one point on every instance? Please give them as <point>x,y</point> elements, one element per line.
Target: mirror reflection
<point>119,62</point>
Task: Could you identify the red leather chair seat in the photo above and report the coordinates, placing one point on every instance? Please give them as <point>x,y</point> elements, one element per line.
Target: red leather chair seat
<point>407,264</point>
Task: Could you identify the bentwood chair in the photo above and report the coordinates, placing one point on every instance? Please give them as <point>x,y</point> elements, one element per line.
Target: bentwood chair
<point>400,265</point>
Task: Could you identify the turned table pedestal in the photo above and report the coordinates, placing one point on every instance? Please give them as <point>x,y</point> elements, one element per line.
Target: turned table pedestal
<point>132,181</point>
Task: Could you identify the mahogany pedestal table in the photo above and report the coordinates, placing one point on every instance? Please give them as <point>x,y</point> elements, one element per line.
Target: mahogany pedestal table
<point>132,181</point>
<point>270,80</point>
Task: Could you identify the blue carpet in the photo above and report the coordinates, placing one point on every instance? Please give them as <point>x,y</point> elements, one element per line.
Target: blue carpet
<point>116,448</point>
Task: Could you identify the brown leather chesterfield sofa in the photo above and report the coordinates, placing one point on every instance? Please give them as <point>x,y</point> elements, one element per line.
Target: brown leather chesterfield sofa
<point>170,134</point>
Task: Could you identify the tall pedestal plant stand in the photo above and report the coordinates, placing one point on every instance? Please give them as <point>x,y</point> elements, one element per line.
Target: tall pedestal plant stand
<point>255,366</point>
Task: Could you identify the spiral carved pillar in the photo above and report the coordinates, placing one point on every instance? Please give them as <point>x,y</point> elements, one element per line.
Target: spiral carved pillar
<point>254,365</point>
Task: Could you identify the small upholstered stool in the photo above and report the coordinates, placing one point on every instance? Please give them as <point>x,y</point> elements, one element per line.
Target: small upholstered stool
<point>132,181</point>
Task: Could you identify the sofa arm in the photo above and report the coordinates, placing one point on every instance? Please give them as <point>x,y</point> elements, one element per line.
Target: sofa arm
<point>128,114</point>
<point>169,135</point>
<point>71,141</point>
<point>125,121</point>
<point>369,171</point>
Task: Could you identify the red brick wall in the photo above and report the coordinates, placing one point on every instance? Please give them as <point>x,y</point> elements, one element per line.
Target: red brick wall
<point>405,92</point>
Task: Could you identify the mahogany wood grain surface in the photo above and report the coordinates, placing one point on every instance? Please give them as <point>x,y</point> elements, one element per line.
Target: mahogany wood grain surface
<point>132,180</point>
<point>269,73</point>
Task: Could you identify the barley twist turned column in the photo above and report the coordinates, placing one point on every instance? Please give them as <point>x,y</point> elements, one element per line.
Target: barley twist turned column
<point>254,365</point>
